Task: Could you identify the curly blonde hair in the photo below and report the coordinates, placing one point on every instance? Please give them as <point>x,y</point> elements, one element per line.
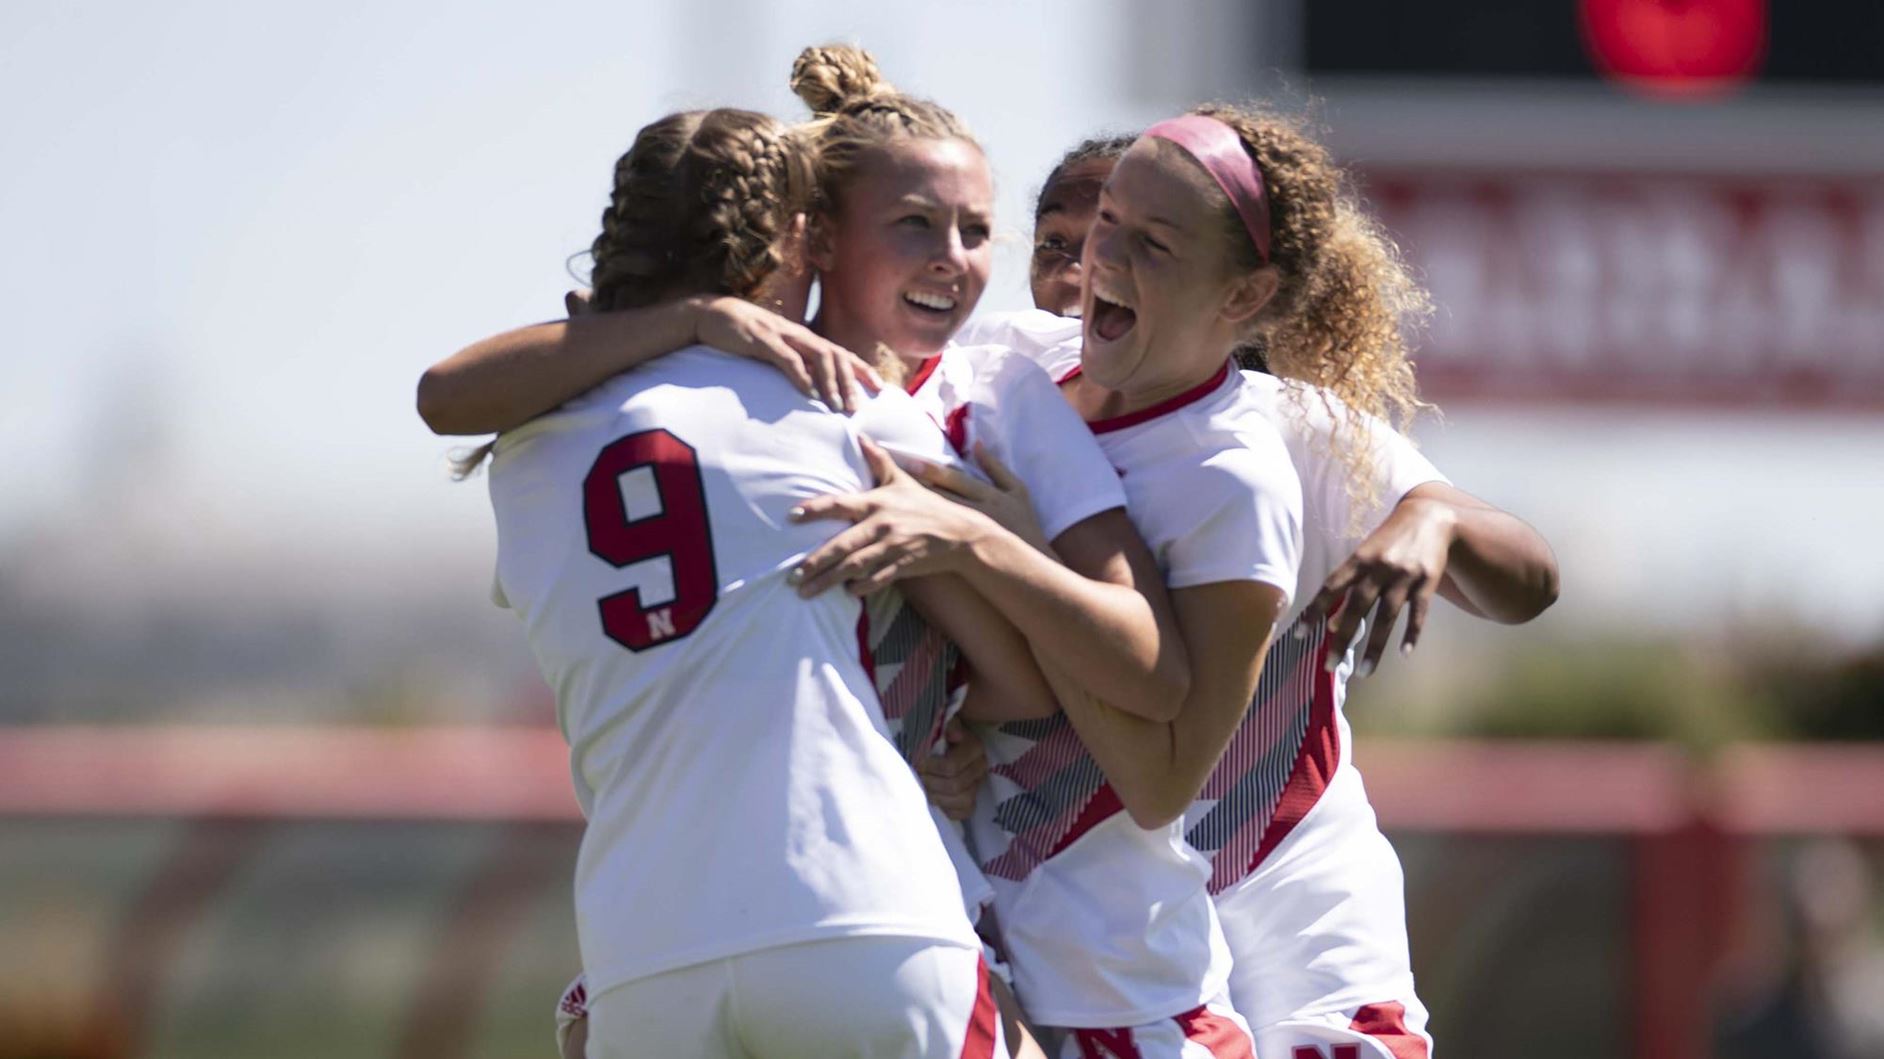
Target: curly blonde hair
<point>699,205</point>
<point>1346,308</point>
<point>855,109</point>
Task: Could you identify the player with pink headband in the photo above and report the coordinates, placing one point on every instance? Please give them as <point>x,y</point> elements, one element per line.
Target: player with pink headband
<point>1308,890</point>
<point>1104,912</point>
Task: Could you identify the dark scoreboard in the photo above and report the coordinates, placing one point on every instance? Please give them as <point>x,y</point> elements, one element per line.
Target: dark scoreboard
<point>1672,46</point>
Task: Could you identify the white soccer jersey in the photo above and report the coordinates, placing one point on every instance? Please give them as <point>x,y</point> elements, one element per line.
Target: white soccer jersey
<point>1107,924</point>
<point>981,393</point>
<point>726,743</point>
<point>1309,892</point>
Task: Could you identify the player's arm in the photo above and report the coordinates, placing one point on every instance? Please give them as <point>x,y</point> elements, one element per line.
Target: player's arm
<point>1438,540</point>
<point>506,380</point>
<point>1005,683</point>
<point>1158,768</point>
<point>1106,618</point>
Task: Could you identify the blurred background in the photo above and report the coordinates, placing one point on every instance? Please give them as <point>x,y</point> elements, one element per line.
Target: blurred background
<point>276,779</point>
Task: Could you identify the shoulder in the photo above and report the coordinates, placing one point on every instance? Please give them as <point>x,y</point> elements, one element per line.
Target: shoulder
<point>1027,332</point>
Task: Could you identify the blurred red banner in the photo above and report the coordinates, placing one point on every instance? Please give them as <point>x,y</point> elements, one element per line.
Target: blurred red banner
<point>1661,288</point>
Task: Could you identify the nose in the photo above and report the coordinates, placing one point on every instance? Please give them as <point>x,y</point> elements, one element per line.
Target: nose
<point>1104,248</point>
<point>950,255</point>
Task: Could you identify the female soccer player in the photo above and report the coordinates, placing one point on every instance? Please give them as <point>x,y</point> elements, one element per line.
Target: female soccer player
<point>1309,892</point>
<point>757,865</point>
<point>901,192</point>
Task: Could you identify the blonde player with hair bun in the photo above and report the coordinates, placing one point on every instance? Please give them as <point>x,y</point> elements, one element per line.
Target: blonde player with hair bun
<point>900,242</point>
<point>726,741</point>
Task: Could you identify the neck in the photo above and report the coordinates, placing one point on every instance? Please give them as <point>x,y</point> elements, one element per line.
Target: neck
<point>861,340</point>
<point>1095,402</point>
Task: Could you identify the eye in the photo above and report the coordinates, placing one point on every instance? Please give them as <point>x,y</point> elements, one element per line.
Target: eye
<point>1052,244</point>
<point>1156,245</point>
<point>976,232</point>
<point>914,220</point>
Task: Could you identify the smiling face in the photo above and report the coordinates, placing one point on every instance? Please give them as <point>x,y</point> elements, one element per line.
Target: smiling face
<point>1164,298</point>
<point>1067,208</point>
<point>908,253</point>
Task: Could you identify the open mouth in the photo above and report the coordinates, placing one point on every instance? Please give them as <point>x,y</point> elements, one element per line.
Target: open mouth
<point>929,303</point>
<point>1110,320</point>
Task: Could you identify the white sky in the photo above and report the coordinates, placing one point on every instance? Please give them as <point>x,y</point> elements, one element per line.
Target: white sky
<point>234,233</point>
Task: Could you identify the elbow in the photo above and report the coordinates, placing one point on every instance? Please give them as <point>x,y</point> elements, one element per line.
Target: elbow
<point>1154,812</point>
<point>436,407</point>
<point>1153,805</point>
<point>1164,691</point>
<point>1545,593</point>
<point>430,404</point>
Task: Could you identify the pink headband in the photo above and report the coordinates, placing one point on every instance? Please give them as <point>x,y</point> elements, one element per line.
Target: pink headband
<point>1220,151</point>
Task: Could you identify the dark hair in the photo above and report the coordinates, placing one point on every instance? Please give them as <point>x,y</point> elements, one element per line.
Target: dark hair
<point>1091,149</point>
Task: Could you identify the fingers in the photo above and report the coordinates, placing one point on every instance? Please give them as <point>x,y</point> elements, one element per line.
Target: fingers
<point>950,480</point>
<point>861,370</point>
<point>997,472</point>
<point>1332,590</point>
<point>1416,617</point>
<point>823,365</point>
<point>1348,623</point>
<point>852,507</point>
<point>882,467</point>
<point>1386,615</point>
<point>857,564</point>
<point>952,778</point>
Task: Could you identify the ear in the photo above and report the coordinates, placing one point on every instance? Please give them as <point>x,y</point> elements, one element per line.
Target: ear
<point>1248,294</point>
<point>819,251</point>
<point>793,250</point>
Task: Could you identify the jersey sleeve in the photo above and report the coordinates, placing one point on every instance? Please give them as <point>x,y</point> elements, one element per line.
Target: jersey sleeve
<point>1397,468</point>
<point>1032,333</point>
<point>1247,525</point>
<point>1043,441</point>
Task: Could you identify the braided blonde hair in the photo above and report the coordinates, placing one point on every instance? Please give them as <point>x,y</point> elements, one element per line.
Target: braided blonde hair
<point>699,205</point>
<point>854,109</point>
<point>1346,307</point>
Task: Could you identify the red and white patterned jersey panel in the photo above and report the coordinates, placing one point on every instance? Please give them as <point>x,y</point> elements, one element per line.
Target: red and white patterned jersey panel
<point>1105,923</point>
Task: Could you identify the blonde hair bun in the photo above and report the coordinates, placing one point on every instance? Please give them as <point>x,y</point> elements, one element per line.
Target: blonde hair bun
<point>833,75</point>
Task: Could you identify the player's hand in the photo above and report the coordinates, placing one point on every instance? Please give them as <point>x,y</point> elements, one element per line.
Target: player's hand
<point>952,777</point>
<point>818,367</point>
<point>1006,501</point>
<point>1399,566</point>
<point>902,530</point>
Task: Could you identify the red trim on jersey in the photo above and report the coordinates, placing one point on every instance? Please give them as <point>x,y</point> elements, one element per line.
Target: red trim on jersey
<point>1222,1037</point>
<point>1071,374</point>
<point>1313,1051</point>
<point>914,382</point>
<point>1386,1023</point>
<point>864,655</point>
<point>1164,407</point>
<point>1103,805</point>
<point>1107,1044</point>
<point>980,1040</point>
<point>1315,763</point>
<point>956,429</point>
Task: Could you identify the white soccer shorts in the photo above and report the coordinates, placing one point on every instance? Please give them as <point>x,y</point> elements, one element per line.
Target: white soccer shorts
<point>862,997</point>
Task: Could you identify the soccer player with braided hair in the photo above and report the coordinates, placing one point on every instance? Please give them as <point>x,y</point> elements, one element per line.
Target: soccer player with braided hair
<point>727,744</point>
<point>900,242</point>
